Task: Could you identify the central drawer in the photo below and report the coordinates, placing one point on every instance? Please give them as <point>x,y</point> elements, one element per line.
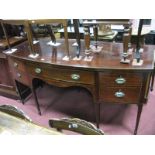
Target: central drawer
<point>61,74</point>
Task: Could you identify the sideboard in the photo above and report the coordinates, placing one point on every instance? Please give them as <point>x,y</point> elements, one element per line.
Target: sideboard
<point>108,80</point>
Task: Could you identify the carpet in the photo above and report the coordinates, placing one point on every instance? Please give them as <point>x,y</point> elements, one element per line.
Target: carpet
<point>58,102</point>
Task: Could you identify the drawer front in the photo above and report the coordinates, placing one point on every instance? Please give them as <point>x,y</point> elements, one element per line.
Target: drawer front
<point>60,74</point>
<point>21,77</point>
<point>121,79</point>
<point>18,65</point>
<point>90,88</point>
<point>120,94</point>
<point>19,71</point>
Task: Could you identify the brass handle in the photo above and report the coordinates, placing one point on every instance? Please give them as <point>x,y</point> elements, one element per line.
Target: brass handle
<point>38,70</point>
<point>19,75</point>
<point>120,80</point>
<point>15,64</point>
<point>73,125</point>
<point>119,94</point>
<point>75,76</point>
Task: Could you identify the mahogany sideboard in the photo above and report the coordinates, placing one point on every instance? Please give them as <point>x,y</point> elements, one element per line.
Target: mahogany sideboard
<point>108,80</point>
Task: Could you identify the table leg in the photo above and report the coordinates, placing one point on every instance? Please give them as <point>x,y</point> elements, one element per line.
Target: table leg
<point>33,88</point>
<point>152,79</point>
<point>140,107</point>
<point>19,91</point>
<point>97,114</point>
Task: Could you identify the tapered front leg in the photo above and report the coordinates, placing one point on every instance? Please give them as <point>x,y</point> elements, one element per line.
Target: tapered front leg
<point>152,78</point>
<point>33,88</point>
<point>19,91</point>
<point>140,107</point>
<point>97,114</point>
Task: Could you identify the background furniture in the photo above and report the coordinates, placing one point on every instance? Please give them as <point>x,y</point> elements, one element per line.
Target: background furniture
<point>31,36</point>
<point>150,38</point>
<point>11,125</point>
<point>10,36</point>
<point>123,24</point>
<point>14,111</point>
<point>71,34</point>
<point>75,125</point>
<point>145,31</point>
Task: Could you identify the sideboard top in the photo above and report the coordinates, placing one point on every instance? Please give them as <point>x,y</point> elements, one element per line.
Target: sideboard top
<point>108,58</point>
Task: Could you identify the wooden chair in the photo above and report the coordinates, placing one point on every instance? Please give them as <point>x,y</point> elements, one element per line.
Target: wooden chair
<point>12,110</point>
<point>75,125</point>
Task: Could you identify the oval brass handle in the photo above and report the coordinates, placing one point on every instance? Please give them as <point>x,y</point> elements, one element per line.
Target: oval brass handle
<point>37,70</point>
<point>19,75</point>
<point>73,125</point>
<point>75,76</point>
<point>120,80</point>
<point>119,94</point>
<point>15,64</point>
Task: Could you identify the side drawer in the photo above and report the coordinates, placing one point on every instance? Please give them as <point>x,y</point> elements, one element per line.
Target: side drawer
<point>17,65</point>
<point>123,79</point>
<point>120,94</point>
<point>60,74</point>
<point>21,77</point>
